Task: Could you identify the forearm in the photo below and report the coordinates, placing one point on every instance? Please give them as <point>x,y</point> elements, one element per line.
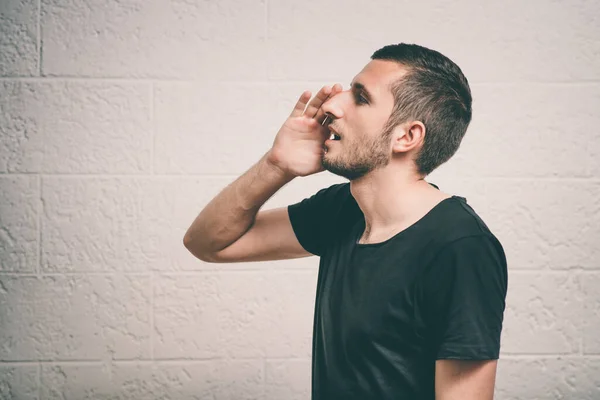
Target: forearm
<point>231,213</point>
<point>465,379</point>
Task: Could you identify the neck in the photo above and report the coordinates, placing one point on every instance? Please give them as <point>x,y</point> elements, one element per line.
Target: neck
<point>391,201</point>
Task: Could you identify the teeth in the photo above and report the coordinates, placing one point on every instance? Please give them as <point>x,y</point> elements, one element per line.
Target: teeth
<point>332,137</point>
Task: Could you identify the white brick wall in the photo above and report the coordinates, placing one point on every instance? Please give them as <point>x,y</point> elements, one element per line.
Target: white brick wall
<point>120,120</point>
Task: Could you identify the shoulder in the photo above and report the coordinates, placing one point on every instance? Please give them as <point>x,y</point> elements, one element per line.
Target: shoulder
<point>335,198</point>
<point>338,191</point>
<point>324,217</point>
<point>458,220</point>
<point>458,228</point>
<point>474,248</point>
<point>468,262</point>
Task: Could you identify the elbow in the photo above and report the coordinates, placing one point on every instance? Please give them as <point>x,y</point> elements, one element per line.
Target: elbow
<point>193,247</point>
<point>187,240</point>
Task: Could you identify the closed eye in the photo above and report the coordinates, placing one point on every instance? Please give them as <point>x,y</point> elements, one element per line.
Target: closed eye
<point>360,99</point>
<point>361,94</point>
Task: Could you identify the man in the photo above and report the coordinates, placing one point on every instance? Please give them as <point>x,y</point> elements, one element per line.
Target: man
<point>412,284</point>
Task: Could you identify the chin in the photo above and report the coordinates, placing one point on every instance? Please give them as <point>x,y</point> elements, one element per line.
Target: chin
<point>339,169</point>
<point>328,160</point>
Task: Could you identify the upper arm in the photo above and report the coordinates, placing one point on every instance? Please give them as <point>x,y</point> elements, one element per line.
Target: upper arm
<point>465,292</point>
<point>299,230</point>
<point>271,237</point>
<point>465,379</point>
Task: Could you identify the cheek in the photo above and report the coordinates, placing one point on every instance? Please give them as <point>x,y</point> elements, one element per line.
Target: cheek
<point>369,123</point>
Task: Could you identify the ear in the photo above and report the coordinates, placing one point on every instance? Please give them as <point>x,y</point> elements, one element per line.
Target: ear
<point>408,136</point>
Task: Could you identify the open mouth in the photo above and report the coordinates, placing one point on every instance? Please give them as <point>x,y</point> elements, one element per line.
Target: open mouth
<point>334,136</point>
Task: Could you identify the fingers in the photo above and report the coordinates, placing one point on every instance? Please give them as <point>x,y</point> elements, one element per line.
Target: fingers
<point>301,104</point>
<point>316,103</point>
<point>313,108</point>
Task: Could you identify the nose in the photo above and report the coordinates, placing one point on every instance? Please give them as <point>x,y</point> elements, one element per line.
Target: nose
<point>335,104</point>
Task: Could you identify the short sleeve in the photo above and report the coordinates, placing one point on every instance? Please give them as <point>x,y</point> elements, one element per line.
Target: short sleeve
<point>465,295</point>
<point>320,219</point>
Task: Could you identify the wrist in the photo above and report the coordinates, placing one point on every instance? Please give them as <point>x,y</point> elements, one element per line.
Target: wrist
<point>273,164</point>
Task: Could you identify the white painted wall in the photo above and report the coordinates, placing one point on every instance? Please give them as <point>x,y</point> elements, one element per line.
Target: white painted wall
<point>119,120</point>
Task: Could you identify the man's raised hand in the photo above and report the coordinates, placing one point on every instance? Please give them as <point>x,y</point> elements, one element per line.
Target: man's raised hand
<point>298,147</point>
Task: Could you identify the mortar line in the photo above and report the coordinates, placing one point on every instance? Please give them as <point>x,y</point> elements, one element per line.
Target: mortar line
<point>109,80</point>
<point>307,358</point>
<point>570,356</point>
<point>181,273</point>
<point>554,271</point>
<point>191,361</point>
<point>281,269</point>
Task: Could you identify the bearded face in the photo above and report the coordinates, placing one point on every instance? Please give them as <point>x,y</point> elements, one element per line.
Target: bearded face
<point>361,135</point>
<point>353,156</point>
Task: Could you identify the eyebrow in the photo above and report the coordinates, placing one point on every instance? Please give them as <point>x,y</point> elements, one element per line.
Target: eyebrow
<point>361,87</point>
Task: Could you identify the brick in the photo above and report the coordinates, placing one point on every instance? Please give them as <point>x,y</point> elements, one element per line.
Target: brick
<point>176,380</point>
<point>75,127</point>
<point>75,317</point>
<point>288,379</point>
<point>154,39</point>
<point>229,314</point>
<point>19,198</point>
<point>546,224</point>
<point>18,38</point>
<point>503,35</point>
<point>18,382</point>
<point>91,225</point>
<point>544,314</point>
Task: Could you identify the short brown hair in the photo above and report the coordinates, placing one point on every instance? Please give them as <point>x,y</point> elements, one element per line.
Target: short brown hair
<point>435,92</point>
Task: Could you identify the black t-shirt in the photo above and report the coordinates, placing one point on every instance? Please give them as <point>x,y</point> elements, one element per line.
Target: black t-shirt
<point>385,312</point>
